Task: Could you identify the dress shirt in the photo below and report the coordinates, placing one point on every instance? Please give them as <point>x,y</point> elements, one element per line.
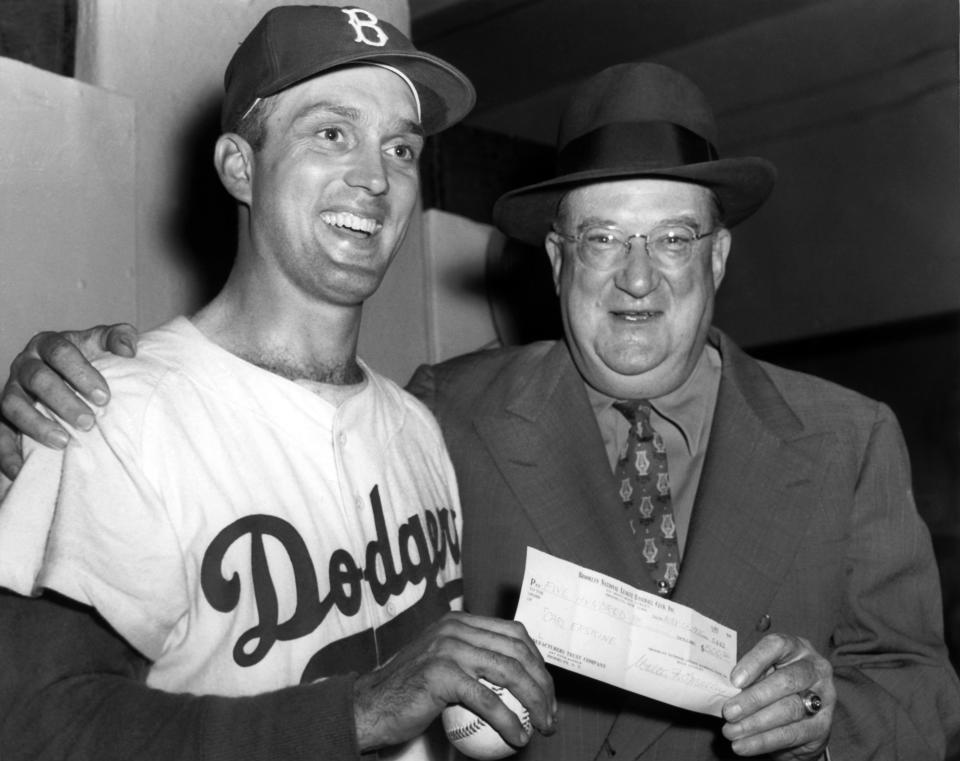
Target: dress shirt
<point>683,418</point>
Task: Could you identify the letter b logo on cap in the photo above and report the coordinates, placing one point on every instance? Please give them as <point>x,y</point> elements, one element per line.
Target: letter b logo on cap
<point>361,21</point>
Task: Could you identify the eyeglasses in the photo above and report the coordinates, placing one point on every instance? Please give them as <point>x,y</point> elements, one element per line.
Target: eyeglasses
<point>669,247</point>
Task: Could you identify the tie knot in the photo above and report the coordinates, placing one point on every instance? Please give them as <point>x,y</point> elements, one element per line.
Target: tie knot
<point>634,410</point>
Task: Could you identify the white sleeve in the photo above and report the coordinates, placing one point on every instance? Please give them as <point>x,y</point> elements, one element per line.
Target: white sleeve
<point>110,543</point>
<point>26,514</point>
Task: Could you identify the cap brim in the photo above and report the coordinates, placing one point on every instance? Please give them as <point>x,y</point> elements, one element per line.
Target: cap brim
<point>741,184</point>
<point>446,95</point>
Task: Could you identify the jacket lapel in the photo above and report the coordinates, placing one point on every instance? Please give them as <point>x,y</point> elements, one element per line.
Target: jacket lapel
<point>548,448</point>
<point>748,517</point>
<point>752,502</point>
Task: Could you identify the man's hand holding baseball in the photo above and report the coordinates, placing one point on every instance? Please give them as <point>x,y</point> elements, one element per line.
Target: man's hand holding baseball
<point>401,698</point>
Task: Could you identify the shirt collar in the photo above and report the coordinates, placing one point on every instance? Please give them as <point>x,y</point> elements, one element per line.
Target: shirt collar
<point>686,407</point>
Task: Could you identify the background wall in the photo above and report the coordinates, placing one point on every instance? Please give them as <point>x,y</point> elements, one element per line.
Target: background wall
<point>67,228</point>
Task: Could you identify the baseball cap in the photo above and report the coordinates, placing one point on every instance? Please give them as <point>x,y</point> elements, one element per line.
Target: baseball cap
<point>293,43</point>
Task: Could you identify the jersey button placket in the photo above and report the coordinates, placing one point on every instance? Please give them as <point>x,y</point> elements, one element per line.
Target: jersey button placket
<point>362,536</point>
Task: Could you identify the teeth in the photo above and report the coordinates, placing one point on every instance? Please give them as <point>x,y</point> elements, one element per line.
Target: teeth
<point>350,221</point>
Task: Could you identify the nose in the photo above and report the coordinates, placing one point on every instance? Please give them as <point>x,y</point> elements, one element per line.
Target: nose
<point>638,275</point>
<point>368,172</point>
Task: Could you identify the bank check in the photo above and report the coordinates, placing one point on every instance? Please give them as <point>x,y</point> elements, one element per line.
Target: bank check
<point>602,628</point>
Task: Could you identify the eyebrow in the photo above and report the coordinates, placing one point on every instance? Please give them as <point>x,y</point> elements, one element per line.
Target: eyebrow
<point>410,126</point>
<point>400,126</point>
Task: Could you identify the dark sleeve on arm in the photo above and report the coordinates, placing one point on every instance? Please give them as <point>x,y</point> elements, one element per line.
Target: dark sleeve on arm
<point>423,386</point>
<point>71,689</point>
<point>898,697</point>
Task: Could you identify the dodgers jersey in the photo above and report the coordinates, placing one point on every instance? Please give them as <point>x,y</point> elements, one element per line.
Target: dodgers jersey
<point>239,530</point>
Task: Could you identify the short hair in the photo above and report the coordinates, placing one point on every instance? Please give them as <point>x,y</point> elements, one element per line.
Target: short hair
<point>252,126</point>
<point>716,210</point>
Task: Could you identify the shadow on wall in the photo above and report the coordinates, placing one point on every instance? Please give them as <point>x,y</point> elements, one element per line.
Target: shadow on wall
<point>40,32</point>
<point>203,225</point>
<point>520,290</point>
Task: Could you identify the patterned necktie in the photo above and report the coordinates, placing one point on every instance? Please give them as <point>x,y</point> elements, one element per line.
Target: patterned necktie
<point>645,491</point>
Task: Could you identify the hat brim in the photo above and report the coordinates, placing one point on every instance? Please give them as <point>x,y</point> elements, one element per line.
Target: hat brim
<point>741,185</point>
<point>446,95</point>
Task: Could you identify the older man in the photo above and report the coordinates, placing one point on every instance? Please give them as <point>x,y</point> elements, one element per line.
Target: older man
<point>261,517</point>
<point>647,446</point>
<point>786,512</point>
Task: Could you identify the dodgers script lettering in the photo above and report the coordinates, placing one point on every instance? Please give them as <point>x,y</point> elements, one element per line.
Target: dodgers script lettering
<point>422,553</point>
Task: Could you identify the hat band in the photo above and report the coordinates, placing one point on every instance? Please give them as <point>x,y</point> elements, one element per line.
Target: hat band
<point>619,145</point>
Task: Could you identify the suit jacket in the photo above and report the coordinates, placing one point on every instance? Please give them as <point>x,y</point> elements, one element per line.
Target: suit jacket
<point>803,523</point>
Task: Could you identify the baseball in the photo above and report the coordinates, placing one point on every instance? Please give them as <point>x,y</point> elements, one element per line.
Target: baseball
<point>473,737</point>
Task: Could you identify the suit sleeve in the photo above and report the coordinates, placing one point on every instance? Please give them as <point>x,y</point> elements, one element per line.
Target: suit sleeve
<point>423,386</point>
<point>898,697</point>
<point>73,690</point>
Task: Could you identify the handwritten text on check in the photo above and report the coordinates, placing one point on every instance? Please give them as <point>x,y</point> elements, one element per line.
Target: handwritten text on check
<point>604,629</point>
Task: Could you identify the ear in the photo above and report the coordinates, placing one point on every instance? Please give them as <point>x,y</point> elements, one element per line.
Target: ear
<point>718,255</point>
<point>233,159</point>
<point>554,246</point>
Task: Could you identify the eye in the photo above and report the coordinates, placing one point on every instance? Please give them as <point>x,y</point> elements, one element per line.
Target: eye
<point>403,152</point>
<point>674,238</point>
<point>405,149</point>
<point>600,238</point>
<point>332,134</point>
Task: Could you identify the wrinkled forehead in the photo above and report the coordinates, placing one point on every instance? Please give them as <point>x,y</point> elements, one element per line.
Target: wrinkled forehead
<point>371,91</point>
<point>648,198</point>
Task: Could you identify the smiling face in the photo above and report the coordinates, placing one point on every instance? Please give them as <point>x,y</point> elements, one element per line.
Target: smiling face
<point>637,331</point>
<point>333,187</point>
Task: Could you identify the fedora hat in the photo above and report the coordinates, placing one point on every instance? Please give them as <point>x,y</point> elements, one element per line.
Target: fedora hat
<point>636,120</point>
